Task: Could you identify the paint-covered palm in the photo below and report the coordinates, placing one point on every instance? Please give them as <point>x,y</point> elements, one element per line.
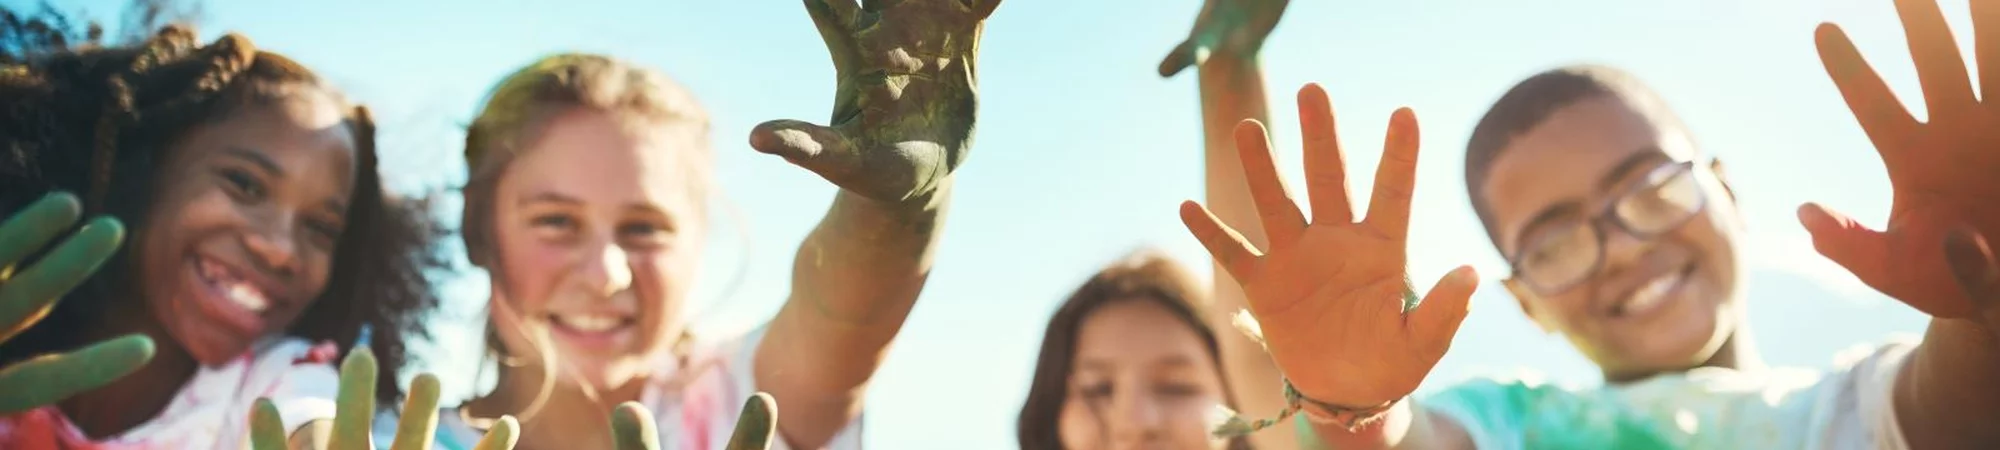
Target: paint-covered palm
<point>1236,27</point>
<point>28,293</point>
<point>1331,296</point>
<point>905,100</point>
<point>355,411</point>
<point>1942,170</point>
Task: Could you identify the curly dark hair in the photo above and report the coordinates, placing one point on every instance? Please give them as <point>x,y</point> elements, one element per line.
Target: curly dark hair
<point>80,116</point>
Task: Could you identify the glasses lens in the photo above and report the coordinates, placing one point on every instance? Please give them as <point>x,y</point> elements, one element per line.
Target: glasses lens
<point>1555,259</point>
<point>1668,197</point>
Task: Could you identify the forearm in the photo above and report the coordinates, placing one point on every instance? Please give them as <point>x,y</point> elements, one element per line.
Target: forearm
<point>854,281</point>
<point>1944,395</point>
<point>1232,89</point>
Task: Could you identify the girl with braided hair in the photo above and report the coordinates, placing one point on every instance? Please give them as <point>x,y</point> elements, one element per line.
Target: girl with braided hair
<point>252,198</point>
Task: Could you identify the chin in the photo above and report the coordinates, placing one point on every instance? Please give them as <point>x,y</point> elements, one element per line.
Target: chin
<point>601,374</point>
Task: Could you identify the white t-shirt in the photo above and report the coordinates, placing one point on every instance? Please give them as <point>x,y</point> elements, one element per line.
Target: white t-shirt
<point>212,411</point>
<point>1848,407</point>
<point>693,411</point>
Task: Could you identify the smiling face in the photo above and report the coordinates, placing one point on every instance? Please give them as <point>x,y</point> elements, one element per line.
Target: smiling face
<point>241,238</point>
<point>1663,295</point>
<point>597,232</point>
<point>1142,379</point>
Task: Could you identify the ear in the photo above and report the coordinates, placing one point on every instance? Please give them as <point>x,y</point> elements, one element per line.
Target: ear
<point>1526,297</point>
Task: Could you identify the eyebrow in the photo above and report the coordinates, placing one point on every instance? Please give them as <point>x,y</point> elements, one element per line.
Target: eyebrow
<point>1632,164</point>
<point>256,158</point>
<point>548,197</point>
<point>1610,180</point>
<point>1170,361</point>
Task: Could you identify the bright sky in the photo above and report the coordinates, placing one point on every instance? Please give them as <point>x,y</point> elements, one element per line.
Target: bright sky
<point>1083,152</point>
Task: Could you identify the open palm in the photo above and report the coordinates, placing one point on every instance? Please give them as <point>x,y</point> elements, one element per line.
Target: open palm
<point>1330,295</point>
<point>904,102</point>
<point>1945,172</point>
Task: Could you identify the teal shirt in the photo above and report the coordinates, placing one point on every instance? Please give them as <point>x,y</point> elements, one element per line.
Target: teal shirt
<point>1847,407</point>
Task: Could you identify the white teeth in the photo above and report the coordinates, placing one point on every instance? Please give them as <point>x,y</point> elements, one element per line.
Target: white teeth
<point>247,297</point>
<point>589,322</point>
<point>1651,294</point>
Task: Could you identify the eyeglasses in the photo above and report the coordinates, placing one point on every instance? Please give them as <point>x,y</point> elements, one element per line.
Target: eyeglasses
<point>1558,255</point>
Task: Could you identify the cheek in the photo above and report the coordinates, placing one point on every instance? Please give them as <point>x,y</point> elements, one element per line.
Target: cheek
<point>1077,427</point>
<point>530,270</point>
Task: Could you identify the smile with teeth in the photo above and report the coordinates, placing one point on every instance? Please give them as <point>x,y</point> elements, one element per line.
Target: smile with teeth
<point>237,290</point>
<point>590,323</point>
<point>1651,294</point>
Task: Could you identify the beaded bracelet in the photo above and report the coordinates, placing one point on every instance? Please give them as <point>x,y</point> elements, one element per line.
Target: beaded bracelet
<point>1348,417</point>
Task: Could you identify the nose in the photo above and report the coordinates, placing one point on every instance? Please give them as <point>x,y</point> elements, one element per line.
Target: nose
<point>1621,251</point>
<point>1135,419</point>
<point>605,270</point>
<point>274,246</point>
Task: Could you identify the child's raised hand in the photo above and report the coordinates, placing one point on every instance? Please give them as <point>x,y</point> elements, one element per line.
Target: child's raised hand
<point>1945,172</point>
<point>355,410</point>
<point>1330,294</point>
<point>905,100</point>
<point>1235,27</point>
<point>28,293</point>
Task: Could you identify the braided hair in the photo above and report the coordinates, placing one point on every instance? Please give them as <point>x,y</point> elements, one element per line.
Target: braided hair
<point>79,116</point>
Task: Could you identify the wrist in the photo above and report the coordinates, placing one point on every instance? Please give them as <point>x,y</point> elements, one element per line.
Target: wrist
<point>1224,57</point>
<point>1349,416</point>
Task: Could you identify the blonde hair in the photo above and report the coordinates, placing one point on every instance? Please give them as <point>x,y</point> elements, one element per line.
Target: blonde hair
<point>521,107</point>
<point>524,103</point>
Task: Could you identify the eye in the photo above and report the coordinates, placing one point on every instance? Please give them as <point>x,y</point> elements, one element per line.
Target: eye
<point>1094,390</point>
<point>242,183</point>
<point>552,222</point>
<point>1177,390</point>
<point>324,232</point>
<point>644,232</point>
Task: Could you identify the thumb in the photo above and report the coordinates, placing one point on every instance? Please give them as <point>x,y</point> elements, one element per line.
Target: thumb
<point>1848,243</point>
<point>1184,55</point>
<point>819,149</point>
<point>1435,320</point>
<point>1181,59</point>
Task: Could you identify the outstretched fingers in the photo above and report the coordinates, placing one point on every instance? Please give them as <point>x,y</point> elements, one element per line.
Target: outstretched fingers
<point>1395,177</point>
<point>1881,116</point>
<point>1228,247</point>
<point>1326,167</point>
<point>419,419</point>
<point>1940,68</point>
<point>1282,220</point>
<point>502,436</point>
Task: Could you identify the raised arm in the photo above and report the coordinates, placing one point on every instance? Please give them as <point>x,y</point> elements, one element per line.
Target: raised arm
<point>1946,193</point>
<point>1223,46</point>
<point>903,117</point>
<point>1331,294</point>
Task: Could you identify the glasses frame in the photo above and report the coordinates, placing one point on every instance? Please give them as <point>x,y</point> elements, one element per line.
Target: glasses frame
<point>1607,214</point>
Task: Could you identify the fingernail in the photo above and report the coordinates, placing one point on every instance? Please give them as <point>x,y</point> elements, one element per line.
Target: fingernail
<point>1971,263</point>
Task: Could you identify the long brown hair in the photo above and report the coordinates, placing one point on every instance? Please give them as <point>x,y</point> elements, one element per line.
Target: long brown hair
<point>1146,275</point>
